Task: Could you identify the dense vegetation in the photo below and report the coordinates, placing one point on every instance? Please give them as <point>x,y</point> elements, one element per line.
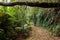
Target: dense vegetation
<point>13,21</point>
<point>50,20</point>
<point>17,19</point>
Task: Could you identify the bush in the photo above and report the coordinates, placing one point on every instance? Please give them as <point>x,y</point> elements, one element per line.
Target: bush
<point>50,19</point>
<point>56,30</point>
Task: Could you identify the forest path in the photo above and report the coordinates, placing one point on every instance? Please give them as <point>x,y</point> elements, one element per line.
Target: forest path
<point>40,33</point>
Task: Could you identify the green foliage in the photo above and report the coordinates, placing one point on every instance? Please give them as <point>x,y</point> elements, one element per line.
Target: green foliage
<point>49,19</point>
<point>13,20</point>
<point>56,30</point>
<point>1,34</point>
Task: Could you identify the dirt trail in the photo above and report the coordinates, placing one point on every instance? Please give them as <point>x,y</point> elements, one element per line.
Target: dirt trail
<point>40,33</point>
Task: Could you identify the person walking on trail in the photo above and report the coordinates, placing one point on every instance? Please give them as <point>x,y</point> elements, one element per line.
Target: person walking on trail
<point>35,19</point>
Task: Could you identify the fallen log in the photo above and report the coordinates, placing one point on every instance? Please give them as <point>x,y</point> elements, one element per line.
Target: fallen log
<point>32,4</point>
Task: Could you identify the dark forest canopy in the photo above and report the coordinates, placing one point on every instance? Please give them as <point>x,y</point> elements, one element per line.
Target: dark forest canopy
<point>32,4</point>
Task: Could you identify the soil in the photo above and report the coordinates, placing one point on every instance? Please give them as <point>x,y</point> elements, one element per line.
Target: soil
<point>40,33</point>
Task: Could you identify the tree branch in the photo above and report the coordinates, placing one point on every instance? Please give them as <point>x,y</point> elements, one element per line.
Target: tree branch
<point>32,4</point>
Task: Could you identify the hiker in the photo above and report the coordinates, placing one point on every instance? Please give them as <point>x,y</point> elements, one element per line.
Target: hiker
<point>35,19</point>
